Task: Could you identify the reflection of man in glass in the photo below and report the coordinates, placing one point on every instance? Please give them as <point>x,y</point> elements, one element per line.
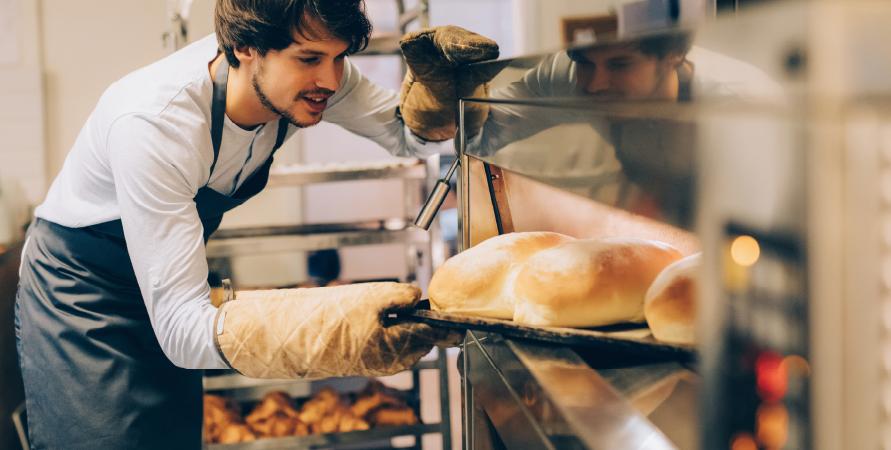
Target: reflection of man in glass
<point>600,155</point>
<point>658,67</point>
<point>650,69</point>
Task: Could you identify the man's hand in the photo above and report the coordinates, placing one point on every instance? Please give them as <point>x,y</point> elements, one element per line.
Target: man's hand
<point>431,89</point>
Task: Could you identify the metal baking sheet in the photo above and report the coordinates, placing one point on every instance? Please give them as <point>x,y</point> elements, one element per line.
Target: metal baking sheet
<point>633,339</point>
<point>345,440</point>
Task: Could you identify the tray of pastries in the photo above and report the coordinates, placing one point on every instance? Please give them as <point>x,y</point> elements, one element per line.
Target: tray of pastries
<point>278,415</point>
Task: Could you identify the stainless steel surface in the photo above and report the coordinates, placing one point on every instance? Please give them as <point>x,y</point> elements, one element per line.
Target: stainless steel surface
<point>434,201</point>
<point>585,148</point>
<point>437,243</point>
<point>232,385</point>
<point>235,380</point>
<point>306,229</point>
<point>630,339</point>
<point>252,392</point>
<point>445,411</point>
<point>463,183</point>
<point>290,175</point>
<point>228,291</point>
<point>374,435</point>
<point>220,248</point>
<point>544,396</point>
<point>431,207</point>
<point>483,436</point>
<point>498,195</point>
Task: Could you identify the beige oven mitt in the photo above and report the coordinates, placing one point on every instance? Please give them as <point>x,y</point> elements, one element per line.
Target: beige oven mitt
<point>323,332</point>
<point>432,87</point>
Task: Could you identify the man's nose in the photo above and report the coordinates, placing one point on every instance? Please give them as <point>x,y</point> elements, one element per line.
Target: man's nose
<point>328,77</point>
<point>599,81</point>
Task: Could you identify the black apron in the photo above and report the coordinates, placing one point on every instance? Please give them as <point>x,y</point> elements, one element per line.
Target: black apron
<point>95,375</point>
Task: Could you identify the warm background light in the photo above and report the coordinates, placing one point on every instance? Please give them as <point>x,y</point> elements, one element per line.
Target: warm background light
<point>743,441</point>
<point>745,250</point>
<point>772,375</point>
<point>772,425</point>
<point>798,365</point>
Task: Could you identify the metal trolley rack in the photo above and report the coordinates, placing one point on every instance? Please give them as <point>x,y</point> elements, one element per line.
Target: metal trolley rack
<point>416,179</point>
<point>243,389</point>
<point>423,249</point>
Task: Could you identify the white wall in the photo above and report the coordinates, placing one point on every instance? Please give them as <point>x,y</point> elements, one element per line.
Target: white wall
<point>87,45</point>
<point>539,21</point>
<point>22,149</point>
<point>490,18</point>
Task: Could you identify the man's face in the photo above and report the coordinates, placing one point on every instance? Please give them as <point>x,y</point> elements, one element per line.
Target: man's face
<point>297,81</point>
<point>624,73</point>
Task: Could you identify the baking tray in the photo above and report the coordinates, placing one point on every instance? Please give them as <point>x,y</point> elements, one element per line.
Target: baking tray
<point>632,339</point>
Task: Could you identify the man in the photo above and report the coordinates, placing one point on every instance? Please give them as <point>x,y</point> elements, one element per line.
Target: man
<point>113,306</point>
<point>602,152</point>
<point>659,68</point>
<point>663,67</point>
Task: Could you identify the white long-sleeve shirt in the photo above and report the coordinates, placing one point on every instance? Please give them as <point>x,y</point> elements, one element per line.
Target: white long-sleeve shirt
<point>146,150</point>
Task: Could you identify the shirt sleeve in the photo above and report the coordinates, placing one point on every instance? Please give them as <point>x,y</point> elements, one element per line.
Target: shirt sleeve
<point>157,174</point>
<point>554,77</point>
<point>369,110</point>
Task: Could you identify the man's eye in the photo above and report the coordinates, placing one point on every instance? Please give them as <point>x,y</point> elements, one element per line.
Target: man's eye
<point>619,65</point>
<point>308,60</point>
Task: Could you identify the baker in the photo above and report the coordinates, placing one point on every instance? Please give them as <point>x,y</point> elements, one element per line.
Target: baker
<point>664,67</point>
<point>615,154</point>
<point>113,312</point>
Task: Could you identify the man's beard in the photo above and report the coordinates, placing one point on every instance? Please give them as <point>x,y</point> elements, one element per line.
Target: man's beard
<point>255,80</point>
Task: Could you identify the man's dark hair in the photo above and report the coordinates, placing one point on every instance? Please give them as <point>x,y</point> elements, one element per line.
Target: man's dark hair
<point>267,25</point>
<point>659,46</point>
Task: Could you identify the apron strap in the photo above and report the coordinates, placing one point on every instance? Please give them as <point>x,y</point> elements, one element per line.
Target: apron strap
<point>217,119</point>
<point>280,137</point>
<point>218,110</point>
<point>258,179</point>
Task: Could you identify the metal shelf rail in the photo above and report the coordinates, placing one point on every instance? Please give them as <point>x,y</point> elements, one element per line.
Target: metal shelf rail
<point>242,389</point>
<point>418,178</point>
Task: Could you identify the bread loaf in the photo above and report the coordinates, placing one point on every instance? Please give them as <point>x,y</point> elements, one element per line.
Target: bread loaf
<point>472,281</point>
<point>670,306</point>
<point>589,282</point>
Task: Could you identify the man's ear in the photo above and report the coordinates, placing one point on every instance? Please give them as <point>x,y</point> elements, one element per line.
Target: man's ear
<point>245,54</point>
<point>674,59</point>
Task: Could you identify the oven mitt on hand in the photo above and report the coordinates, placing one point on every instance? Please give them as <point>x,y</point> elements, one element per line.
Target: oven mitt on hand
<point>323,332</point>
<point>431,89</point>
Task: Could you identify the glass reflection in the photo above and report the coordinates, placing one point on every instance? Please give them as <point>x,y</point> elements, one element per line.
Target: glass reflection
<point>603,121</point>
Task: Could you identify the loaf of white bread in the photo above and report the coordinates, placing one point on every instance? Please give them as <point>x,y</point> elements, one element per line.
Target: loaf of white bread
<point>670,306</point>
<point>547,279</point>
<point>589,282</point>
<point>473,282</point>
